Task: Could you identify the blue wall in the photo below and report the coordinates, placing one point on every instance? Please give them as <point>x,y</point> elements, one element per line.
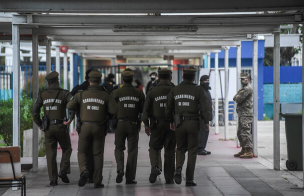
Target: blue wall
<point>288,74</point>
<point>246,61</point>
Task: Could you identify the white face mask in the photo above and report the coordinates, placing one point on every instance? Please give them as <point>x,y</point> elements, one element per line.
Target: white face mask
<point>153,78</point>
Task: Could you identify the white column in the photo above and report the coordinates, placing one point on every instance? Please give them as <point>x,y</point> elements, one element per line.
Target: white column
<point>71,85</point>
<point>48,57</point>
<point>238,81</point>
<point>202,59</point>
<point>35,96</point>
<point>215,94</point>
<point>16,84</point>
<point>255,97</point>
<point>58,60</point>
<point>208,60</point>
<point>303,104</point>
<point>169,62</point>
<point>226,111</point>
<point>276,102</point>
<point>65,71</point>
<point>113,63</point>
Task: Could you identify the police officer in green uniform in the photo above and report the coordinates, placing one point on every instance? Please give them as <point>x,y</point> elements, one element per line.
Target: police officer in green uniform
<point>186,103</point>
<point>94,105</point>
<point>54,100</point>
<point>130,106</point>
<point>159,128</point>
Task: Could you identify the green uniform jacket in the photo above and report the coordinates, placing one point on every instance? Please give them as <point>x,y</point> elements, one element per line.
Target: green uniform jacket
<point>130,101</point>
<point>46,99</point>
<point>94,104</point>
<point>244,100</point>
<point>155,103</point>
<point>188,100</point>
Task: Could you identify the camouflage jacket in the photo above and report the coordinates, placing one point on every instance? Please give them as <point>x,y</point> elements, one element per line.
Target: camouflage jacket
<point>244,100</point>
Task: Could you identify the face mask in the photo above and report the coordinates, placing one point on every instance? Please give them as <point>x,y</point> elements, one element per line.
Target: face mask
<point>152,78</point>
<point>206,85</point>
<point>244,81</point>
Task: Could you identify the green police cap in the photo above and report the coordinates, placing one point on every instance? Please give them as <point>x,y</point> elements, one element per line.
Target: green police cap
<point>95,74</point>
<point>245,75</point>
<point>53,76</point>
<point>190,71</point>
<point>127,73</point>
<point>164,71</point>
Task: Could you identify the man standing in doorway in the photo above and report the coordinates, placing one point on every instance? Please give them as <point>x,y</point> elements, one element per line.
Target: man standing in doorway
<point>54,100</point>
<point>109,83</point>
<point>244,100</point>
<point>186,103</point>
<point>130,106</point>
<point>152,82</point>
<point>204,128</point>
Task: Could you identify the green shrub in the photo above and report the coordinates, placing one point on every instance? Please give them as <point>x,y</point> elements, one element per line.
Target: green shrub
<point>6,119</point>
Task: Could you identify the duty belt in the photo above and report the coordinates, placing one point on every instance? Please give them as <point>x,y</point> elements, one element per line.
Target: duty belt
<point>92,123</point>
<point>132,121</point>
<point>189,118</point>
<point>159,120</point>
<point>56,122</point>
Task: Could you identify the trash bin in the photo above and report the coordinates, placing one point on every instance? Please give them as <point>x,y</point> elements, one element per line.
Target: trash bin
<point>293,129</point>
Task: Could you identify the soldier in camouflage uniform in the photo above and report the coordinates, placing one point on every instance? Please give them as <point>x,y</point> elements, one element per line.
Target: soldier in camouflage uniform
<point>57,129</point>
<point>95,105</point>
<point>130,102</point>
<point>244,100</point>
<point>188,102</point>
<point>159,128</point>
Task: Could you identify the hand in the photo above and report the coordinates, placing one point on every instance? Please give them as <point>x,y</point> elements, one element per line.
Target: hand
<point>148,131</point>
<point>206,127</point>
<point>40,128</point>
<point>172,126</point>
<point>67,123</point>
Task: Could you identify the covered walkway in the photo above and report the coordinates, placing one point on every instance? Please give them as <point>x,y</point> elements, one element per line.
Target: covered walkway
<point>216,174</point>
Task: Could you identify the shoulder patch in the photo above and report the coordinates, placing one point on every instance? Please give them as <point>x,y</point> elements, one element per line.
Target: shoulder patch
<point>36,100</point>
<point>72,98</point>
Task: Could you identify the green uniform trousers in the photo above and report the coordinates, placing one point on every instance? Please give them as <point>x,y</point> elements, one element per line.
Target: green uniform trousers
<point>59,134</point>
<point>92,135</point>
<point>244,131</point>
<point>126,130</point>
<point>187,139</point>
<point>163,136</point>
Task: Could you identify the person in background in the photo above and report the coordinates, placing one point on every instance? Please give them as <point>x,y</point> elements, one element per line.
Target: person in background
<point>138,84</point>
<point>204,127</point>
<point>152,82</point>
<point>109,83</point>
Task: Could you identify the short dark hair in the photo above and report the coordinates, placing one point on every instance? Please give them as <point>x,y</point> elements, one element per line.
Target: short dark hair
<point>127,80</point>
<point>52,82</point>
<point>95,80</point>
<point>189,77</point>
<point>110,75</point>
<point>87,74</point>
<point>164,76</point>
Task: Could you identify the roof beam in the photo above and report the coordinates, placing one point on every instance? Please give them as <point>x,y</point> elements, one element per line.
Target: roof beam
<point>148,6</point>
<point>125,22</point>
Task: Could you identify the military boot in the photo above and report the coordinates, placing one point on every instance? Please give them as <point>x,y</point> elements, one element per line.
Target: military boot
<point>240,153</point>
<point>248,153</point>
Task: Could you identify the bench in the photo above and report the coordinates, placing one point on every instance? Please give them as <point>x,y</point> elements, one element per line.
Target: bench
<point>10,169</point>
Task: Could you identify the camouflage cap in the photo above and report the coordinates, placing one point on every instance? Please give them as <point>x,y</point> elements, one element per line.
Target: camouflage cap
<point>95,74</point>
<point>127,73</point>
<point>53,76</point>
<point>245,75</point>
<point>190,71</point>
<point>164,71</point>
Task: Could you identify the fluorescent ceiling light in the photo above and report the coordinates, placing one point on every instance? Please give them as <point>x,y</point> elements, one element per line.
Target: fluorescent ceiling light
<point>155,28</point>
<point>151,43</point>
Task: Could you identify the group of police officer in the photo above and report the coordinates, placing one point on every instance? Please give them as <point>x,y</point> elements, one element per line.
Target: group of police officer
<point>171,115</point>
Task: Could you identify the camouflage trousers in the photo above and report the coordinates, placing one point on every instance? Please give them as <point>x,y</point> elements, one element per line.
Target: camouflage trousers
<point>244,131</point>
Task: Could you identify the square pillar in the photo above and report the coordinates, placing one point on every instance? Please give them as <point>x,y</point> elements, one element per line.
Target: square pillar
<point>226,109</point>
<point>216,115</point>
<point>255,96</point>
<point>65,71</point>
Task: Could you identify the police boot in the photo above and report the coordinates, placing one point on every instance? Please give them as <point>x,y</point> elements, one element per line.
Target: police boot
<point>155,171</point>
<point>178,175</point>
<point>240,153</point>
<point>248,153</point>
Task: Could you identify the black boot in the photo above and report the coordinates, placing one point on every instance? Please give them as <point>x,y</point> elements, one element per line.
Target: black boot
<point>64,177</point>
<point>83,178</point>
<point>120,175</point>
<point>131,182</point>
<point>178,175</point>
<point>98,185</point>
<point>54,183</point>
<point>191,183</point>
<point>155,171</point>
